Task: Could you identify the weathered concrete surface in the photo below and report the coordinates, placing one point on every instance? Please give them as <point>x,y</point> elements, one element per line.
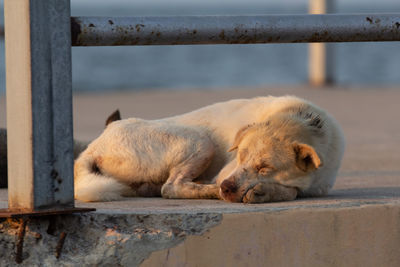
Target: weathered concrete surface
<point>98,239</point>
<point>358,224</point>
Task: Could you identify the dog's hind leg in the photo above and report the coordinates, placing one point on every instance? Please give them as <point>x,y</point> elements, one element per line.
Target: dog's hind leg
<point>180,182</point>
<point>91,185</point>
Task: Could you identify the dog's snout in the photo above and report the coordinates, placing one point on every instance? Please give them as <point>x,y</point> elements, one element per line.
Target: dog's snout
<point>228,187</point>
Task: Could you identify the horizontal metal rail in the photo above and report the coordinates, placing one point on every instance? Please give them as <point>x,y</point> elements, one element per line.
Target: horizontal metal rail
<point>188,30</point>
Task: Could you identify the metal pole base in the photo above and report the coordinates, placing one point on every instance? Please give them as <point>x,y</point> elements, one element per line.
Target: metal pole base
<point>16,213</point>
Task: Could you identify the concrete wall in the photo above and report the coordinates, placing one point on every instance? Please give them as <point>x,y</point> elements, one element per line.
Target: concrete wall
<point>365,236</point>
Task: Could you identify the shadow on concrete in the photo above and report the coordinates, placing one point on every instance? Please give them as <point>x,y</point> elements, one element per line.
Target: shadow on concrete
<point>365,193</point>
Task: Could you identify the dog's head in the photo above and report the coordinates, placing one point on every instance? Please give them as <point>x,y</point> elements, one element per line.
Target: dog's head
<point>276,151</point>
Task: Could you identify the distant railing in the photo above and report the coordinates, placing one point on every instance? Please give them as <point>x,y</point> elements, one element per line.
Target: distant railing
<point>321,59</point>
<point>38,40</point>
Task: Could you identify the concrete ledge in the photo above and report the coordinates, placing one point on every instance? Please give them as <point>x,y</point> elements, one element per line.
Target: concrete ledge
<point>357,227</point>
<point>99,239</point>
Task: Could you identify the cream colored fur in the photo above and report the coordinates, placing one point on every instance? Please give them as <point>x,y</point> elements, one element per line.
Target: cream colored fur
<point>181,156</point>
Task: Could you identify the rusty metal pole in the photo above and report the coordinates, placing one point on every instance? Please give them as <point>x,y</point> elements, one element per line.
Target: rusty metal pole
<point>39,105</point>
<point>197,30</point>
<point>321,55</point>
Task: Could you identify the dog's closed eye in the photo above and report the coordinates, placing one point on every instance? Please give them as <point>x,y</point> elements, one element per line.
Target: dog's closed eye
<point>264,168</point>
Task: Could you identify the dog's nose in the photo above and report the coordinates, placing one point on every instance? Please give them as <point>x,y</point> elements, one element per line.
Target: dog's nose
<point>228,187</point>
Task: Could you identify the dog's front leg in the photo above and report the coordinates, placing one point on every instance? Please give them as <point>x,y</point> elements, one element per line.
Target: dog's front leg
<point>269,192</point>
<point>189,189</point>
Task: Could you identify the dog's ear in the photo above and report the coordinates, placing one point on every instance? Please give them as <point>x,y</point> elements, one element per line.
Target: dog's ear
<point>239,136</point>
<point>307,158</point>
<point>115,116</point>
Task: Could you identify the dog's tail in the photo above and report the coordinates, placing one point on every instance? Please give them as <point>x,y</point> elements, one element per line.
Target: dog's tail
<point>92,185</point>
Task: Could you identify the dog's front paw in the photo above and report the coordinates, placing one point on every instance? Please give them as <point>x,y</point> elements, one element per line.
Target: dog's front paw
<point>168,191</point>
<point>269,192</point>
<point>257,194</point>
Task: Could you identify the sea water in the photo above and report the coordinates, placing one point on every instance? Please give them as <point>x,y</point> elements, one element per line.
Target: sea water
<point>221,66</point>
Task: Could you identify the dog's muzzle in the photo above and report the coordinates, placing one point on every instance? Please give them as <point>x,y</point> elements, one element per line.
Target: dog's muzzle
<point>229,190</point>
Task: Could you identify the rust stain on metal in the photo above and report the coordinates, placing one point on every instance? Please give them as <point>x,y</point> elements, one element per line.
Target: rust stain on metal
<point>52,226</point>
<point>222,35</point>
<point>20,241</point>
<point>60,244</point>
<point>54,174</point>
<point>138,27</point>
<point>75,31</point>
<point>244,39</point>
<point>320,37</point>
<point>37,236</point>
<point>119,29</point>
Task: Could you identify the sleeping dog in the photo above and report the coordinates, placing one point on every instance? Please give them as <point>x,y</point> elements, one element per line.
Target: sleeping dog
<point>246,150</point>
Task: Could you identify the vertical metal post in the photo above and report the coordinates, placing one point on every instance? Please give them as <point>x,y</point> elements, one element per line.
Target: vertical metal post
<point>39,104</point>
<point>321,56</point>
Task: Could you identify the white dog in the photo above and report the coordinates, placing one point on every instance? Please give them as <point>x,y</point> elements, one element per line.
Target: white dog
<point>279,148</point>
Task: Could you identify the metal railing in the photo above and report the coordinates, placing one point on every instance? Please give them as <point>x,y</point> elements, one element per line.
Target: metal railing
<point>38,71</point>
<point>193,30</point>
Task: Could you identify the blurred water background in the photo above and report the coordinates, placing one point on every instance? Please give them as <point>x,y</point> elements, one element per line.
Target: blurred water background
<point>221,66</point>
